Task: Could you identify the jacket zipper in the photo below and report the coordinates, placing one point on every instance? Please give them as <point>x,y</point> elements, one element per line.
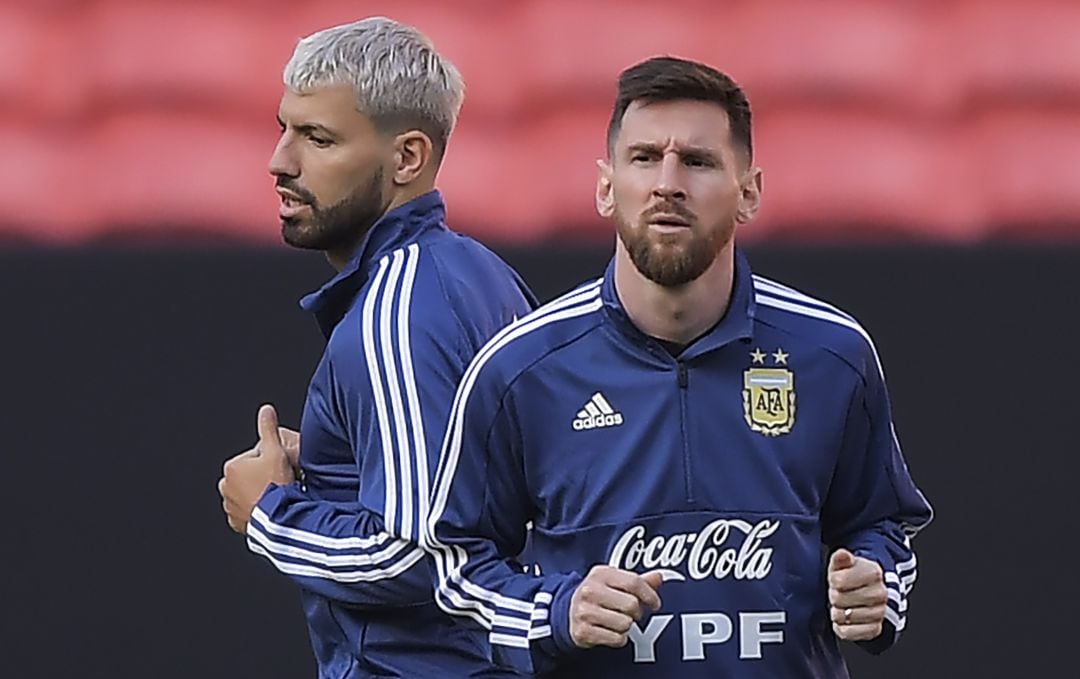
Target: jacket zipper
<point>684,383</point>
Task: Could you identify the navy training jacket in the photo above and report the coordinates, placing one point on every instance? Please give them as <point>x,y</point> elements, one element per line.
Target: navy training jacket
<point>402,320</point>
<point>735,468</point>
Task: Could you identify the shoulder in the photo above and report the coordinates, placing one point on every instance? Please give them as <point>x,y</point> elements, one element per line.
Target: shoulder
<point>816,323</point>
<point>528,340</point>
<point>459,258</point>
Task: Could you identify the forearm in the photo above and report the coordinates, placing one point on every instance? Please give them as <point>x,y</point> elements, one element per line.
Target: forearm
<point>339,551</point>
<point>887,545</point>
<point>526,615</point>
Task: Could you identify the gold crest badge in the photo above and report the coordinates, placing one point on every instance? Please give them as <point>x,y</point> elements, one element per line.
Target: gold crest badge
<point>769,394</point>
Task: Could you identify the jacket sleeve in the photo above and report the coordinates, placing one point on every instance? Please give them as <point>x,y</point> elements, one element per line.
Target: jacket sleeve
<point>392,373</point>
<point>480,512</point>
<point>874,508</point>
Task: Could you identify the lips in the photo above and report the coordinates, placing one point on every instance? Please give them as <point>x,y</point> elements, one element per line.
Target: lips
<point>669,219</point>
<point>291,204</point>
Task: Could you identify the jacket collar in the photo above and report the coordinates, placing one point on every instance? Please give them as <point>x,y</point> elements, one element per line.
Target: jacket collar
<point>396,229</point>
<point>736,324</point>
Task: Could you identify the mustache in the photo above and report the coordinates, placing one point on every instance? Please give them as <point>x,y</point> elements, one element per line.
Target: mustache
<point>668,208</point>
<point>287,184</point>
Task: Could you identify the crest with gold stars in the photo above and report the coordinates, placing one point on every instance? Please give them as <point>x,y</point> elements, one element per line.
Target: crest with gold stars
<point>769,393</point>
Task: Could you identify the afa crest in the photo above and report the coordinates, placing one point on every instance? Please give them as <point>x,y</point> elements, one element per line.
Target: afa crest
<point>769,395</point>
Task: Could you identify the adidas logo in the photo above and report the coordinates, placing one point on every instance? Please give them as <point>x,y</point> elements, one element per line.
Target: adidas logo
<point>597,413</point>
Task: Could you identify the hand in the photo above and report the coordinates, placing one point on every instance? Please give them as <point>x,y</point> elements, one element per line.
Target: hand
<point>607,602</point>
<point>290,441</point>
<point>247,475</point>
<point>857,596</point>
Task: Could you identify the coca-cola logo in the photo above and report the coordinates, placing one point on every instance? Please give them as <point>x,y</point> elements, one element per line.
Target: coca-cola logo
<point>724,548</point>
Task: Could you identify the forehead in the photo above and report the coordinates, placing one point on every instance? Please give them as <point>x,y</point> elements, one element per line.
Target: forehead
<point>681,122</point>
<point>329,105</point>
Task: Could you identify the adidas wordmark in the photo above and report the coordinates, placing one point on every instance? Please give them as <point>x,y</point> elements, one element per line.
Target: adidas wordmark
<point>597,413</point>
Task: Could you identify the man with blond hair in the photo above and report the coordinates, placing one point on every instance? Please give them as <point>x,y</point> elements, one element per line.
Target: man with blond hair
<point>339,507</point>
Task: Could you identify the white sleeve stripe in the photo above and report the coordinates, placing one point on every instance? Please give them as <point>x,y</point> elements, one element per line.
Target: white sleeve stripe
<point>451,601</point>
<point>497,639</point>
<point>540,632</point>
<point>405,503</point>
<point>404,490</point>
<point>499,600</point>
<point>847,322</point>
<point>908,565</point>
<point>898,621</point>
<point>516,641</point>
<point>542,598</point>
<point>368,331</point>
<point>290,568</point>
<point>260,517</point>
<point>511,622</point>
<point>898,599</point>
<point>779,289</point>
<point>450,561</point>
<point>822,314</point>
<point>412,396</point>
<point>902,583</point>
<point>322,558</point>
<point>452,604</point>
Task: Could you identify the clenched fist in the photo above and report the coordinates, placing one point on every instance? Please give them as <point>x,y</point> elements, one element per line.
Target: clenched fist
<point>246,476</point>
<point>607,602</point>
<point>857,596</point>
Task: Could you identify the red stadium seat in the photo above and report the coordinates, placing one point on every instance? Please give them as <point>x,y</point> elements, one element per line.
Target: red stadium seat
<point>486,184</point>
<point>1028,171</point>
<point>852,175</point>
<point>204,173</point>
<point>43,188</point>
<point>474,35</point>
<point>841,51</point>
<point>572,50</point>
<point>25,39</point>
<point>528,182</point>
<point>191,54</point>
<point>1013,51</point>
<point>915,119</point>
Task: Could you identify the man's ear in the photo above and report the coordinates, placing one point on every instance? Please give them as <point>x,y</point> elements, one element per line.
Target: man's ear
<point>414,153</point>
<point>750,196</point>
<point>605,196</point>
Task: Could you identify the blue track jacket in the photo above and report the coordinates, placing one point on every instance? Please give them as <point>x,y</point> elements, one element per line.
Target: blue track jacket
<point>403,320</point>
<point>735,468</point>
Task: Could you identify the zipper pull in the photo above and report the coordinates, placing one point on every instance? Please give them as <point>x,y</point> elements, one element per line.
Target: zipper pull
<point>684,378</point>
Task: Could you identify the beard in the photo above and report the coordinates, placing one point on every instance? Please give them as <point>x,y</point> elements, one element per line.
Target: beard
<point>337,226</point>
<point>672,260</point>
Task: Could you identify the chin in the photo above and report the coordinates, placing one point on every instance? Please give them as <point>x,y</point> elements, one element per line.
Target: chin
<point>298,235</point>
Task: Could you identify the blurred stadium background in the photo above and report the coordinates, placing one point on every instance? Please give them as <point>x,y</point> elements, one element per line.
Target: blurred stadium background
<point>922,170</point>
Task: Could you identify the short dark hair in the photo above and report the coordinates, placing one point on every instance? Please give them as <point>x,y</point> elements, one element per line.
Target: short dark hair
<point>672,79</point>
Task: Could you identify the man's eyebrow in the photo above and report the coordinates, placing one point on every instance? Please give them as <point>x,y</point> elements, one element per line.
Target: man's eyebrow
<point>643,146</point>
<point>305,128</point>
<point>702,152</point>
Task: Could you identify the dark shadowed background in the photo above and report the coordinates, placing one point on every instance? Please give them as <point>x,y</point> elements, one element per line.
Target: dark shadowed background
<point>130,375</point>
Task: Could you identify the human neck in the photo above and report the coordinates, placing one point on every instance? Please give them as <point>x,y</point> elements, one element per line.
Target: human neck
<point>340,257</point>
<point>680,314</point>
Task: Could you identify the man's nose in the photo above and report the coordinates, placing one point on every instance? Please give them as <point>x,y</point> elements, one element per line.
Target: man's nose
<point>282,160</point>
<point>669,179</point>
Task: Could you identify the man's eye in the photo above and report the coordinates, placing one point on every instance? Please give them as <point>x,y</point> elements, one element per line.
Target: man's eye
<point>320,142</point>
<point>641,158</point>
